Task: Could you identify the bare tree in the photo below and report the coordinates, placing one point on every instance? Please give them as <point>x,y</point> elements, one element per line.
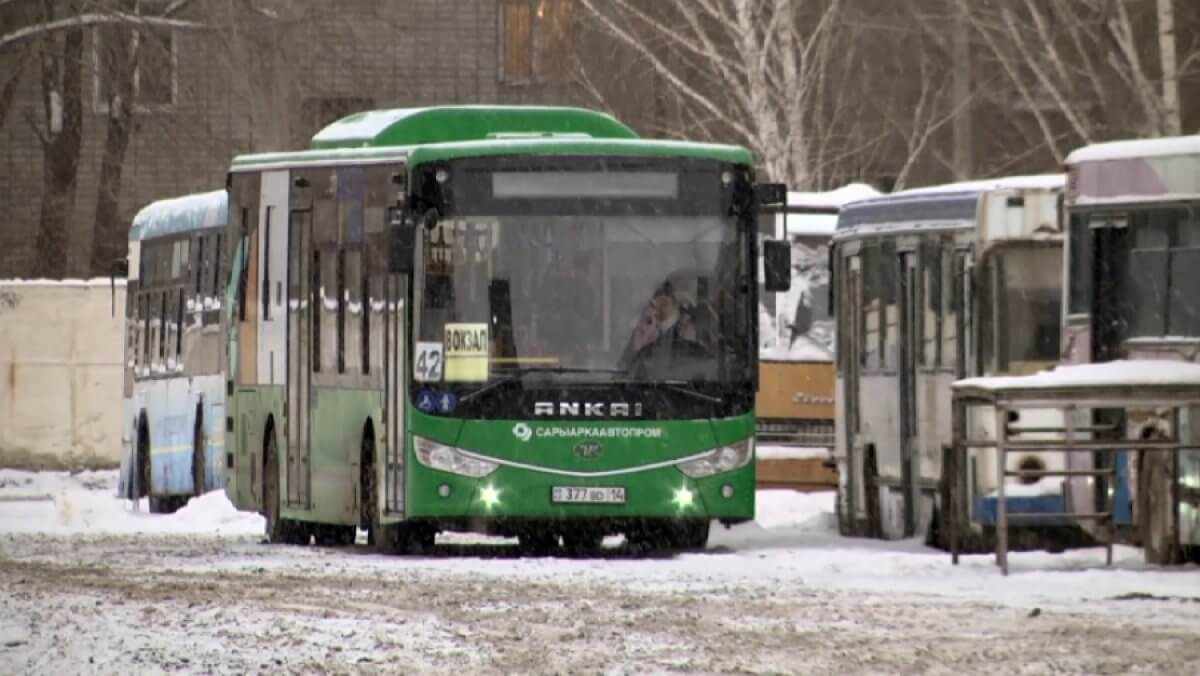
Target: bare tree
<point>54,31</point>
<point>1083,66</point>
<point>128,44</point>
<point>60,132</point>
<point>740,67</point>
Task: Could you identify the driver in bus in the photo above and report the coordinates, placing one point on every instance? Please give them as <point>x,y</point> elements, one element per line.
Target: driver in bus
<point>666,341</point>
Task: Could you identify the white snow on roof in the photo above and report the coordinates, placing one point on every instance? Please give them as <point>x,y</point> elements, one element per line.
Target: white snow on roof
<point>831,199</point>
<point>1032,182</point>
<point>1113,373</point>
<point>1138,148</point>
<point>178,214</point>
<point>363,125</point>
<point>810,224</point>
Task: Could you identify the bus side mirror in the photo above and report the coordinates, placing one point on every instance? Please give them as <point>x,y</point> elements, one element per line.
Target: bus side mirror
<point>770,194</point>
<point>402,242</point>
<point>777,265</point>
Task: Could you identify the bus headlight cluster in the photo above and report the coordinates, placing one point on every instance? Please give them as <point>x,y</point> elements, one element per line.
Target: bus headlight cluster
<point>723,459</point>
<point>450,459</point>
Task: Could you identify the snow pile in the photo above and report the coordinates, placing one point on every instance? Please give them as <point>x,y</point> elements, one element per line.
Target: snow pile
<point>62,503</point>
<point>805,512</point>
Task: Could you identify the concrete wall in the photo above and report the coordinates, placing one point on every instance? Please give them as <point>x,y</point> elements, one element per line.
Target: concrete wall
<point>61,349</point>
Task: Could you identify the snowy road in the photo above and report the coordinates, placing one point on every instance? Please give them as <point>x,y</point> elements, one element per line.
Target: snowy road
<point>87,586</point>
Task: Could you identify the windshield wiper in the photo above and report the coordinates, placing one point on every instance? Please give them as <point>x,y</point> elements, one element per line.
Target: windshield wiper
<point>683,387</point>
<point>518,373</point>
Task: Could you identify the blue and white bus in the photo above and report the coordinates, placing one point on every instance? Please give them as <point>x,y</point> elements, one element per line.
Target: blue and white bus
<point>174,396</point>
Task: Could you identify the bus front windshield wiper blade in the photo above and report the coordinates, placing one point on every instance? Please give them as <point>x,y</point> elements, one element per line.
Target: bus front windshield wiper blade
<point>509,376</point>
<point>684,387</point>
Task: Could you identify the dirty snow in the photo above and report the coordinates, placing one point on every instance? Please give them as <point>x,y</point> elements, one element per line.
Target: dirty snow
<point>109,590</point>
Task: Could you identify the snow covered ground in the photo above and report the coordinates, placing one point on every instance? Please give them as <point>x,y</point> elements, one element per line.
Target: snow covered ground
<point>89,585</point>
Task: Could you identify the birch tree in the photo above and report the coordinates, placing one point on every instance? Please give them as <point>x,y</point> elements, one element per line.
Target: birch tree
<point>749,68</point>
<point>1081,70</point>
<point>54,32</point>
<point>126,46</point>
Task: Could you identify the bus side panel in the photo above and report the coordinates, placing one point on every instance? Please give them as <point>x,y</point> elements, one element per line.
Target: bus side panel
<point>170,412</point>
<point>338,421</point>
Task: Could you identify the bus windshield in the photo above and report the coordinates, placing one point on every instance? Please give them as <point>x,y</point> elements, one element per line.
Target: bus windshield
<point>587,298</point>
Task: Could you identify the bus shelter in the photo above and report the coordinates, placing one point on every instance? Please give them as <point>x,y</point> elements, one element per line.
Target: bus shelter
<point>1169,388</point>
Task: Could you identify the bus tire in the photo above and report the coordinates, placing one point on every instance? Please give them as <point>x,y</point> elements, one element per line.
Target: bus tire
<point>277,529</point>
<point>331,535</point>
<point>537,542</point>
<point>580,542</point>
<point>141,468</point>
<point>381,538</point>
<point>199,454</point>
<point>874,525</point>
<point>692,535</point>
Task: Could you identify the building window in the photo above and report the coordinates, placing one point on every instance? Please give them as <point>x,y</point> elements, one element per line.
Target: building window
<point>533,40</point>
<point>150,51</point>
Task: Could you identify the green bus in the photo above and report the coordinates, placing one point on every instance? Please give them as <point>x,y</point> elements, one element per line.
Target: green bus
<point>522,321</point>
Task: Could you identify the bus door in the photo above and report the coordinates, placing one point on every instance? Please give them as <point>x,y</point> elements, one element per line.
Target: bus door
<point>910,314</point>
<point>850,335</point>
<point>272,268</point>
<point>299,355</point>
<point>394,342</point>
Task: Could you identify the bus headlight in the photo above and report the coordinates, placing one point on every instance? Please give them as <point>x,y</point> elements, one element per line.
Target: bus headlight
<point>723,459</point>
<point>450,459</point>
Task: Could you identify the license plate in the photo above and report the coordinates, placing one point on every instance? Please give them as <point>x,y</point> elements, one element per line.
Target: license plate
<point>589,494</point>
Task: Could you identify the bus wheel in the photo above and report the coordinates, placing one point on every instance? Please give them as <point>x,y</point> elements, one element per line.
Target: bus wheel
<point>277,529</point>
<point>199,455</point>
<point>871,488</point>
<point>382,538</point>
<point>328,535</point>
<point>691,535</point>
<point>537,543</point>
<point>142,464</point>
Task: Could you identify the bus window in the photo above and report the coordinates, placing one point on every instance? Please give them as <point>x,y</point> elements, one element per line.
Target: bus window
<point>316,311</point>
<point>1079,290</point>
<point>162,330</point>
<point>951,300</point>
<point>1185,278</point>
<point>872,339</point>
<point>144,332</point>
<point>931,328</point>
<point>1028,311</point>
<point>179,319</point>
<point>1148,259</point>
<point>889,288</point>
<point>218,255</point>
<point>197,265</point>
<point>339,295</point>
